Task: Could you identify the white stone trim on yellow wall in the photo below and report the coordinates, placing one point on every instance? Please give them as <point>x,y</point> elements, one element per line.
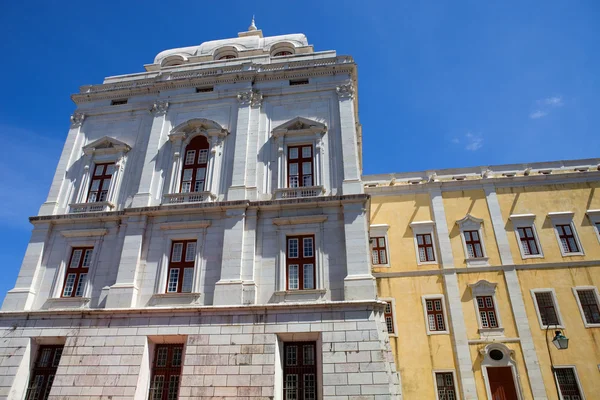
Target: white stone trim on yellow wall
<point>595,289</point>
<point>574,368</point>
<point>423,228</point>
<point>445,371</point>
<point>565,218</point>
<point>556,308</point>
<point>378,231</point>
<point>526,221</point>
<point>393,301</point>
<point>433,297</point>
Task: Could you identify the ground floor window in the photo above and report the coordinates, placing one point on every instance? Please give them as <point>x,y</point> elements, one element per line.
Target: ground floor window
<point>444,382</point>
<point>567,382</point>
<point>166,372</point>
<point>44,370</point>
<point>299,371</point>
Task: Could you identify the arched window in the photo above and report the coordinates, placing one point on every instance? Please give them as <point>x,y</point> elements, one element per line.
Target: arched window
<point>227,57</point>
<point>282,53</point>
<point>193,174</point>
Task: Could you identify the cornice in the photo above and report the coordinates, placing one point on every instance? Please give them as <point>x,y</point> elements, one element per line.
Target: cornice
<point>304,219</point>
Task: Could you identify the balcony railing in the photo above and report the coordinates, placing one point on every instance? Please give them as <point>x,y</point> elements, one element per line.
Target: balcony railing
<point>192,197</point>
<point>294,193</point>
<point>100,206</point>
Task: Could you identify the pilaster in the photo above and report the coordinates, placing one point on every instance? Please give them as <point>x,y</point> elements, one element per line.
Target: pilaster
<point>143,197</point>
<point>123,293</point>
<point>248,257</point>
<point>515,294</point>
<point>228,290</point>
<point>453,297</point>
<point>352,183</point>
<point>359,283</point>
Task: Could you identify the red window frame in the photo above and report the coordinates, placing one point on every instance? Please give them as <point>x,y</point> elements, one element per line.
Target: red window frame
<point>589,305</point>
<point>546,307</point>
<point>473,242</point>
<point>426,253</point>
<point>566,234</point>
<point>389,317</point>
<point>298,180</point>
<point>166,372</point>
<point>195,159</point>
<point>43,372</point>
<point>282,53</point>
<point>77,271</point>
<point>378,250</point>
<point>567,383</point>
<point>435,314</point>
<point>103,179</point>
<point>444,382</point>
<point>301,257</point>
<point>181,262</point>
<point>528,241</point>
<point>487,312</point>
<point>300,370</point>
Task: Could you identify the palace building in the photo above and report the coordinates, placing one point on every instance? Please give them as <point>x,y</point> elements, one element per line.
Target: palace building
<point>205,236</point>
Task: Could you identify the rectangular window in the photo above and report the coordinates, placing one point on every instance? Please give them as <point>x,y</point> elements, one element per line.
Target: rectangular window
<point>546,308</point>
<point>567,383</point>
<point>100,182</point>
<point>299,371</point>
<point>44,370</point>
<point>118,102</point>
<point>425,246</point>
<point>589,305</point>
<point>567,239</point>
<point>444,382</point>
<point>435,315</point>
<point>378,251</point>
<point>473,244</point>
<point>180,275</point>
<point>166,372</point>
<point>300,166</point>
<point>389,317</point>
<point>528,241</point>
<point>487,311</point>
<point>300,262</point>
<point>77,270</point>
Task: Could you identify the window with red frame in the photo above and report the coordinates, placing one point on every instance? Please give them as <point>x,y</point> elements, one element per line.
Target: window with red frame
<point>77,271</point>
<point>43,372</point>
<point>589,304</point>
<point>378,251</point>
<point>300,166</point>
<point>166,372</point>
<point>193,174</point>
<point>528,242</point>
<point>100,182</point>
<point>567,239</point>
<point>389,317</point>
<point>473,244</point>
<point>445,386</point>
<point>180,276</point>
<point>425,246</point>
<point>282,53</point>
<point>545,305</point>
<point>487,312</point>
<point>300,262</point>
<point>299,371</point>
<point>435,315</point>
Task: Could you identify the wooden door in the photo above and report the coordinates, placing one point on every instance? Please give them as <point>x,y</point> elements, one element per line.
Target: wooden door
<point>502,384</point>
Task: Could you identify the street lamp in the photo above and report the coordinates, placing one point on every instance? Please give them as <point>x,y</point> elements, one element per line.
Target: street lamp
<point>560,341</point>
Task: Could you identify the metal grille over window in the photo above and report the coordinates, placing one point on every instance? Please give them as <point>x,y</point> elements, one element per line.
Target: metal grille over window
<point>43,373</point>
<point>567,382</point>
<point>473,243</point>
<point>300,166</point>
<point>435,315</point>
<point>528,241</point>
<point>300,262</point>
<point>487,312</point>
<point>180,275</point>
<point>545,304</point>
<point>567,239</point>
<point>77,270</point>
<point>589,304</point>
<point>445,386</point>
<point>425,245</point>
<point>378,251</point>
<point>193,174</point>
<point>299,371</point>
<point>100,182</point>
<point>166,372</point>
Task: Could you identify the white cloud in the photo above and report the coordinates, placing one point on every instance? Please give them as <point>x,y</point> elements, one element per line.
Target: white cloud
<point>554,101</point>
<point>545,106</point>
<point>538,114</point>
<point>474,142</point>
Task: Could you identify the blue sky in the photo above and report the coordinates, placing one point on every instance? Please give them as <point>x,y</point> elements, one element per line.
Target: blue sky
<point>441,83</point>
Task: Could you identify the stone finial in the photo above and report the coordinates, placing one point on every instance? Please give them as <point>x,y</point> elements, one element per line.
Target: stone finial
<point>252,26</point>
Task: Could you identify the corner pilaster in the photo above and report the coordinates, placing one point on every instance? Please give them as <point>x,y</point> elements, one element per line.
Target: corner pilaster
<point>352,183</point>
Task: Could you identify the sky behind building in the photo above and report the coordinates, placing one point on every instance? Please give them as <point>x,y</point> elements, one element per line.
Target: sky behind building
<point>441,84</point>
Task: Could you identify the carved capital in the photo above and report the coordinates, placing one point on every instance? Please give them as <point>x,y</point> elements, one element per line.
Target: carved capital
<point>345,91</point>
<point>252,97</point>
<point>77,118</point>
<point>160,107</point>
<point>257,99</point>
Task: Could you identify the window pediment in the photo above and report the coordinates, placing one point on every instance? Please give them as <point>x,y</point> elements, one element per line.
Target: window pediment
<point>106,145</point>
<point>469,222</point>
<point>299,126</point>
<point>197,126</point>
<point>483,288</point>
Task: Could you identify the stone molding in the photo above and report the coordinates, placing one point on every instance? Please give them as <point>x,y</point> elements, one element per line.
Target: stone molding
<point>305,219</point>
<point>199,224</point>
<point>71,233</point>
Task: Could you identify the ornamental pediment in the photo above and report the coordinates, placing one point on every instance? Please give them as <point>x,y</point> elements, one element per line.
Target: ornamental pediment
<point>300,126</point>
<point>197,126</point>
<point>106,145</point>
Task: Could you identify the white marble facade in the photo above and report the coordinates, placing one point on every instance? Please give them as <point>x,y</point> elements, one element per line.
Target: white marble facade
<point>251,97</point>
